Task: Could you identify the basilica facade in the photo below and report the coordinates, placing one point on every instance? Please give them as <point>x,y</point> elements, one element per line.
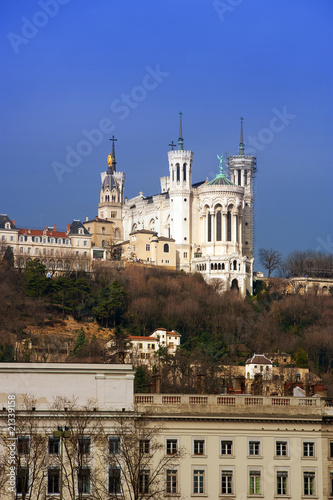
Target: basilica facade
<point>211,222</point>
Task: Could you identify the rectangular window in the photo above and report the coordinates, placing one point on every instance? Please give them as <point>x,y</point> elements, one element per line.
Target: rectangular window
<point>185,255</point>
<point>23,445</point>
<point>83,480</point>
<point>133,248</point>
<point>198,447</point>
<point>331,449</point>
<point>308,449</point>
<point>171,446</point>
<point>171,481</point>
<point>198,481</point>
<point>281,482</point>
<point>171,345</point>
<point>85,243</point>
<point>22,480</point>
<point>254,448</point>
<point>114,480</point>
<point>331,482</point>
<point>84,445</point>
<point>255,482</point>
<point>226,482</point>
<point>147,248</point>
<point>281,448</point>
<point>54,445</point>
<point>114,445</point>
<point>229,226</point>
<point>309,483</point>
<point>53,480</point>
<point>144,482</point>
<point>209,228</point>
<point>226,447</point>
<point>145,446</point>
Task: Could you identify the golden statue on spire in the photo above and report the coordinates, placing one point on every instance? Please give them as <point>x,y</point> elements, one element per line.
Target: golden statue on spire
<point>110,160</point>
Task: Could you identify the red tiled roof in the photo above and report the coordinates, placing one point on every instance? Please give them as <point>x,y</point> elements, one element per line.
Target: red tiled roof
<point>168,332</point>
<point>40,232</point>
<point>137,337</point>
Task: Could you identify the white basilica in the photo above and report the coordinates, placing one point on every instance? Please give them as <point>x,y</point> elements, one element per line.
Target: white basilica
<point>210,222</point>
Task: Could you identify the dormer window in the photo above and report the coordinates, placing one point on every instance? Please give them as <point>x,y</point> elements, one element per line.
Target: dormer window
<point>7,225</point>
<point>80,230</point>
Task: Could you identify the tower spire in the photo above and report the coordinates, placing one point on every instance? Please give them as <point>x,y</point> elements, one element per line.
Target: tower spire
<point>180,140</point>
<point>241,142</point>
<point>112,167</point>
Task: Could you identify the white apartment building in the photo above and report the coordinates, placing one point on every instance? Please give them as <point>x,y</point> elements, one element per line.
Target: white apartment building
<point>213,446</point>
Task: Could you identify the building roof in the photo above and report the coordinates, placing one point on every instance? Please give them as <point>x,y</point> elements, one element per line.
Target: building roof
<point>168,332</point>
<point>221,180</point>
<point>259,359</point>
<point>75,226</point>
<point>138,337</point>
<point>97,219</point>
<point>109,182</point>
<point>43,232</point>
<point>4,219</point>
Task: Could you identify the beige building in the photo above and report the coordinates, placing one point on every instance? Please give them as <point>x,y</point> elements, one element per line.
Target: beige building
<point>147,247</point>
<point>215,446</point>
<point>59,251</point>
<point>102,237</point>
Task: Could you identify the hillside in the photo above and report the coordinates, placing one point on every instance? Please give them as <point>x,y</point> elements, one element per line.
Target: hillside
<point>216,328</point>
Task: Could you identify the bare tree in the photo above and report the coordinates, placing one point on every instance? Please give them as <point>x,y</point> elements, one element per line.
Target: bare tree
<point>139,465</point>
<point>270,259</point>
<point>26,453</point>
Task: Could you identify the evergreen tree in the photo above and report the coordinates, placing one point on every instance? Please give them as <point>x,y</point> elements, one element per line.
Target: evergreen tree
<point>8,257</point>
<point>141,380</point>
<point>80,342</point>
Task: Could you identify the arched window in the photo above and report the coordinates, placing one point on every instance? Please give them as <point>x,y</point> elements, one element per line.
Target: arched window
<point>166,248</point>
<point>67,265</point>
<point>178,172</point>
<point>134,228</point>
<point>219,266</point>
<point>222,267</point>
<point>212,266</point>
<point>103,230</point>
<point>215,267</point>
<point>235,265</point>
<point>103,243</point>
<point>236,228</point>
<point>184,172</point>
<point>59,264</point>
<point>229,226</point>
<point>209,228</point>
<point>116,233</point>
<point>218,226</point>
<point>52,264</point>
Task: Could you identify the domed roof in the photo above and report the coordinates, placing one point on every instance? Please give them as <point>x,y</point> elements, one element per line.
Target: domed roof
<point>109,183</point>
<point>221,180</point>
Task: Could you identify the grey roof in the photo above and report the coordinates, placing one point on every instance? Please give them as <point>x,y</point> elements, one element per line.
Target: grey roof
<point>109,182</point>
<point>4,219</point>
<point>75,226</point>
<point>221,180</point>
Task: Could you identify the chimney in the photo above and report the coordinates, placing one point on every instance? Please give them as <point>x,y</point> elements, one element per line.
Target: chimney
<point>54,227</point>
<point>13,222</point>
<point>68,228</point>
<point>87,218</point>
<point>96,218</point>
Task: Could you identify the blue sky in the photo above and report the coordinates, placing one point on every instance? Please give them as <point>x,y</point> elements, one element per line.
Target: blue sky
<point>127,68</point>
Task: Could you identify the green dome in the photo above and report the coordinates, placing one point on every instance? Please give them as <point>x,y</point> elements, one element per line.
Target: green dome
<point>221,180</point>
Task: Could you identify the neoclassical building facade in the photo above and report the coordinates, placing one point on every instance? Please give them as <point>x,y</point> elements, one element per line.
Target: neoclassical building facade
<point>211,222</point>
